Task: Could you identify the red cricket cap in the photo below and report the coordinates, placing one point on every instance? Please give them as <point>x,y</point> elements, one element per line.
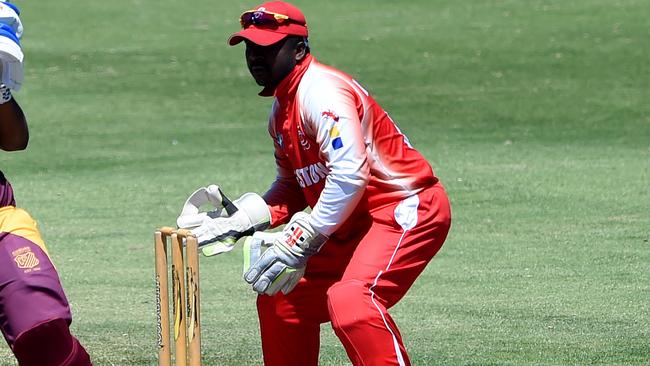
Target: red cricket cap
<point>266,35</point>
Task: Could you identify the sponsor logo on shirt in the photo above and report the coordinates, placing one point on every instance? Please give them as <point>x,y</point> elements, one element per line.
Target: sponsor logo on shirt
<point>25,259</point>
<point>311,174</point>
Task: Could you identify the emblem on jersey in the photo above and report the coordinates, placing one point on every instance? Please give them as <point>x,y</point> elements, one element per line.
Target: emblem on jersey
<point>335,134</point>
<point>304,143</point>
<point>25,258</point>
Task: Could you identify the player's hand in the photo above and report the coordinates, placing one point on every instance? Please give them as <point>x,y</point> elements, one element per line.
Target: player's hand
<point>283,264</point>
<point>11,53</point>
<point>217,231</point>
<point>255,245</point>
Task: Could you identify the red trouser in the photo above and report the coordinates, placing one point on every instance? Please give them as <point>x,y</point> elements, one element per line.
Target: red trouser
<point>353,283</point>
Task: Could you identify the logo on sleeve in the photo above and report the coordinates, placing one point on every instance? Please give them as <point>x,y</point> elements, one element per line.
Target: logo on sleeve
<point>330,114</point>
<point>335,134</point>
<point>25,259</point>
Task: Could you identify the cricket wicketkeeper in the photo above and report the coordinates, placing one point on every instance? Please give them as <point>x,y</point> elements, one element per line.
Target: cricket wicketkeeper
<point>378,213</point>
<point>34,312</point>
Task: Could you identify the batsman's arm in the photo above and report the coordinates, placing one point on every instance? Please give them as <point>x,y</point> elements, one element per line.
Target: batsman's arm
<point>14,133</point>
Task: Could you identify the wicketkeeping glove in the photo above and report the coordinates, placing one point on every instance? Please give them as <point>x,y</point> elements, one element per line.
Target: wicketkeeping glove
<point>11,53</point>
<point>191,215</point>
<point>283,264</point>
<point>217,231</point>
<point>255,245</point>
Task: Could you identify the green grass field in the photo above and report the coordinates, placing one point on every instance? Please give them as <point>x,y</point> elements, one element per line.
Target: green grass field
<point>534,114</point>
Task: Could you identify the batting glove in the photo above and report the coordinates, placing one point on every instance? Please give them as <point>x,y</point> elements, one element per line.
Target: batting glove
<point>283,264</point>
<point>10,15</point>
<point>11,53</point>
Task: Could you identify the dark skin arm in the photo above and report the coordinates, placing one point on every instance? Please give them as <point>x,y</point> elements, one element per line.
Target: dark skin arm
<point>14,133</point>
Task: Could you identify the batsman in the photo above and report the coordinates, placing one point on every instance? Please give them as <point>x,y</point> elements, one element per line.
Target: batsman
<point>35,316</point>
<point>377,216</point>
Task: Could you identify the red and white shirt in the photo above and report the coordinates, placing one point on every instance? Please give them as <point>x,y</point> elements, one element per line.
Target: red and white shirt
<point>337,151</point>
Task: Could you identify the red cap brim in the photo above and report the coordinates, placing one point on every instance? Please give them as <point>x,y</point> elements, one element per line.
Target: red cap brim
<point>256,35</point>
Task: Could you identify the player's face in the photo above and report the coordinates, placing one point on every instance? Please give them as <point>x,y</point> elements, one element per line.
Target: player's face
<point>270,64</point>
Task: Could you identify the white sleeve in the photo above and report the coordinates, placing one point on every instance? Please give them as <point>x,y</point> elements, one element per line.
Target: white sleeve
<point>330,114</point>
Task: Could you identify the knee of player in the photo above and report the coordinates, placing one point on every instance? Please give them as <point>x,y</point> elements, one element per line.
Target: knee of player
<point>50,343</point>
<point>349,302</point>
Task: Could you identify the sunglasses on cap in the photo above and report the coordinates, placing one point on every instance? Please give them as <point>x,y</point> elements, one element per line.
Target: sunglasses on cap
<point>262,17</point>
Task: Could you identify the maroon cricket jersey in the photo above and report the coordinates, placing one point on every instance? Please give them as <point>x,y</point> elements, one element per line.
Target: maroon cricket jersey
<point>30,289</point>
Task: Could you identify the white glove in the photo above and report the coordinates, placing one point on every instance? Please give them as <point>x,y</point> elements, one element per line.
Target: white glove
<point>255,245</point>
<point>10,15</point>
<point>191,216</point>
<point>283,264</point>
<point>11,53</point>
<point>217,231</point>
